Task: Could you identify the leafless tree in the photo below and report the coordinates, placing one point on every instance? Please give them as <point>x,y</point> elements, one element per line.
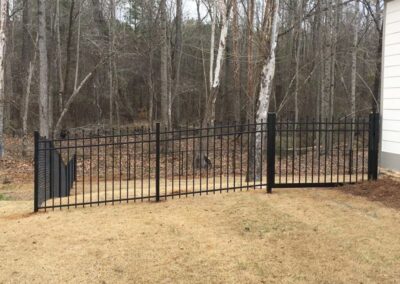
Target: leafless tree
<point>43,71</point>
<point>139,61</point>
<point>3,19</point>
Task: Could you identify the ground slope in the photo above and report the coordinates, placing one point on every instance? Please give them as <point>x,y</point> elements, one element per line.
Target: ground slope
<point>289,236</point>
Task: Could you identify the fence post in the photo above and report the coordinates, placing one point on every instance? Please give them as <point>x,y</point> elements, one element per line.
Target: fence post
<point>75,168</point>
<point>157,161</point>
<point>36,169</point>
<point>373,149</point>
<point>271,135</point>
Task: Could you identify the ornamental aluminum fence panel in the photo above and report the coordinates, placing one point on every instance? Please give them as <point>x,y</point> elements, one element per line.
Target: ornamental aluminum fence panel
<point>148,165</point>
<point>136,165</point>
<point>325,153</point>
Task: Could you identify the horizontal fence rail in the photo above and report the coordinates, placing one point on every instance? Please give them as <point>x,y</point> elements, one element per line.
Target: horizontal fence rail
<point>108,167</point>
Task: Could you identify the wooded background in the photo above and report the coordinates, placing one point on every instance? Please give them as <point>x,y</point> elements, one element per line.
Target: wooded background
<point>107,63</point>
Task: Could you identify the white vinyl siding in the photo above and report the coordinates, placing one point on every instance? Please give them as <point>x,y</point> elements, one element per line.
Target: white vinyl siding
<point>391,125</point>
<point>391,93</point>
<point>388,135</point>
<point>392,38</point>
<point>391,104</point>
<point>393,60</point>
<point>391,80</point>
<point>392,71</point>
<point>390,114</point>
<point>391,147</point>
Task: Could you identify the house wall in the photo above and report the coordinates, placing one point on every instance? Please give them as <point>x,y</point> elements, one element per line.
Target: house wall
<point>390,146</point>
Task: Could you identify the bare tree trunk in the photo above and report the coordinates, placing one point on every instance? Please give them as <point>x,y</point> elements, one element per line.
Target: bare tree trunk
<point>213,15</point>
<point>297,39</point>
<point>299,16</point>
<point>251,96</point>
<point>117,107</point>
<point>3,26</point>
<point>78,44</point>
<point>150,85</point>
<point>26,49</point>
<point>203,60</point>
<point>68,55</point>
<point>353,80</point>
<point>318,49</point>
<point>177,59</point>
<point>169,77</point>
<point>26,40</point>
<point>326,99</point>
<point>150,73</point>
<point>164,64</point>
<point>209,116</point>
<point>267,77</point>
<point>8,77</point>
<point>97,99</point>
<point>116,94</point>
<point>25,110</point>
<point>110,67</point>
<point>354,62</point>
<point>236,60</point>
<point>327,57</point>
<point>335,31</point>
<point>250,65</point>
<point>43,71</point>
<point>59,58</point>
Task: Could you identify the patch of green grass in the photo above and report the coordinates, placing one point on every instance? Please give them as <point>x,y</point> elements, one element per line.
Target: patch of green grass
<point>2,197</point>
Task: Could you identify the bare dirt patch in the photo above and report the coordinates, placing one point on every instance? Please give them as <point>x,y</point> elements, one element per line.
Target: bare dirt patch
<point>386,190</point>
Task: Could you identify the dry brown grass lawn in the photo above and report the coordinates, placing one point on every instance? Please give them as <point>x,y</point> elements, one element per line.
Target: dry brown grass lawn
<point>302,236</point>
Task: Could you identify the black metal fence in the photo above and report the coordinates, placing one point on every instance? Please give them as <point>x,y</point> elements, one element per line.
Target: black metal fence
<point>95,168</point>
<point>325,153</point>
